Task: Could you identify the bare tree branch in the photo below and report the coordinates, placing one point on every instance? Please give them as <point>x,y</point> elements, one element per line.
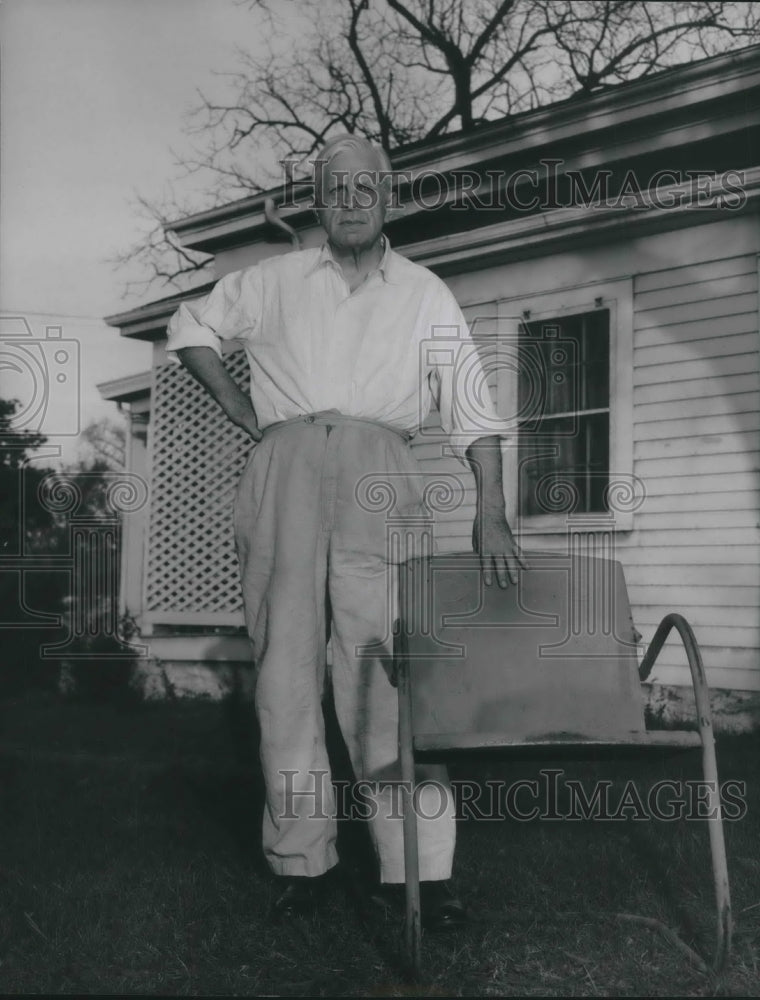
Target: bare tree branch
<point>398,71</point>
<point>490,29</point>
<point>353,41</point>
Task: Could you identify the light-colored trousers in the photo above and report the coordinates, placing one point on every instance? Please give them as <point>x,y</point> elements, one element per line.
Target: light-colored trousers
<point>311,534</point>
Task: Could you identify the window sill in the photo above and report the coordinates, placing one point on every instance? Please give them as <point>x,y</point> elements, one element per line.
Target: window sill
<point>565,524</point>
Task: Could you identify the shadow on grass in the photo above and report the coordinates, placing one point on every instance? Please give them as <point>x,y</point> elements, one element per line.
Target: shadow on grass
<point>130,863</point>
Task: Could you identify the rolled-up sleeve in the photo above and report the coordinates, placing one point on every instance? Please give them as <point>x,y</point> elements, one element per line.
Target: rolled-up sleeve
<point>230,311</point>
<point>460,383</point>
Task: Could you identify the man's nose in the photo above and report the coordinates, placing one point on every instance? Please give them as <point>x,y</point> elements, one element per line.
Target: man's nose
<point>356,196</point>
<point>353,199</point>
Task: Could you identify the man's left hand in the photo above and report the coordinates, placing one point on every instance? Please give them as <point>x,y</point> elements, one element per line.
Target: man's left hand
<point>499,553</point>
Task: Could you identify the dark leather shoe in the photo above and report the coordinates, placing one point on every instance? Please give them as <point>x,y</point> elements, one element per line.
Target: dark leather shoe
<point>299,897</point>
<point>440,909</point>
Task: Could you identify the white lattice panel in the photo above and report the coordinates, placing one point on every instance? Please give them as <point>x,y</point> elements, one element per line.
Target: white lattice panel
<point>197,457</point>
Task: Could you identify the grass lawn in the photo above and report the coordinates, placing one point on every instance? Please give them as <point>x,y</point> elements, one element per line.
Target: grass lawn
<point>130,863</point>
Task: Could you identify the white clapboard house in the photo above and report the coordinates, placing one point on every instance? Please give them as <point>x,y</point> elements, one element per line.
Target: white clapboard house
<point>623,226</point>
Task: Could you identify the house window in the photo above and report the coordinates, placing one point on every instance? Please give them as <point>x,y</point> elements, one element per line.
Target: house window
<point>574,432</point>
<point>564,414</point>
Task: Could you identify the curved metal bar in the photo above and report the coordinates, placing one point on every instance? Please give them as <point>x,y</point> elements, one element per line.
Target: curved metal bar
<point>724,926</point>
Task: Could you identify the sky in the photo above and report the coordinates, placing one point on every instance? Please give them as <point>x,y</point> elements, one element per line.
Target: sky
<point>92,99</point>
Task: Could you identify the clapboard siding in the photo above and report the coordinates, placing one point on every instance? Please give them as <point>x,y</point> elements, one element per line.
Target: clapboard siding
<point>694,547</point>
<point>686,389</point>
<point>681,535</point>
<point>681,313</point>
<point>650,556</point>
<point>697,503</point>
<point>706,368</point>
<point>683,349</point>
<point>699,520</point>
<point>739,443</point>
<point>664,483</point>
<point>724,424</point>
<point>683,594</point>
<point>713,290</point>
<point>671,574</point>
<point>698,406</point>
<point>694,274</point>
<point>732,461</point>
<point>703,329</point>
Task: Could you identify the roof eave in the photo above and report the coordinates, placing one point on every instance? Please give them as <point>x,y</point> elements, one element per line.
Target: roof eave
<point>539,235</point>
<point>126,389</point>
<point>148,322</point>
<point>244,221</point>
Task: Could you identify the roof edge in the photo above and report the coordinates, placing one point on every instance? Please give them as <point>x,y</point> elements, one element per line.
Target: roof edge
<point>127,388</point>
<point>554,116</point>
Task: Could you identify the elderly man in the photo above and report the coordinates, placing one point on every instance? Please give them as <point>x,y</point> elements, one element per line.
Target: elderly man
<point>339,382</point>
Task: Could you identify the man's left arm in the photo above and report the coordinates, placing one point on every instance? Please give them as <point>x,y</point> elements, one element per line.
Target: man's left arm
<point>492,536</point>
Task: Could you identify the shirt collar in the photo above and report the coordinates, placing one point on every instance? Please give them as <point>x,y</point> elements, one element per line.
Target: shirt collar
<point>387,266</point>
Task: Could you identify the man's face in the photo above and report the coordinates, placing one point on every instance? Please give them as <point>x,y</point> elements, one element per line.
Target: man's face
<point>355,212</point>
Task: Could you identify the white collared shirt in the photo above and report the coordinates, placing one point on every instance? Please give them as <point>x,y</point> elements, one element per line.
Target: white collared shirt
<point>383,352</point>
